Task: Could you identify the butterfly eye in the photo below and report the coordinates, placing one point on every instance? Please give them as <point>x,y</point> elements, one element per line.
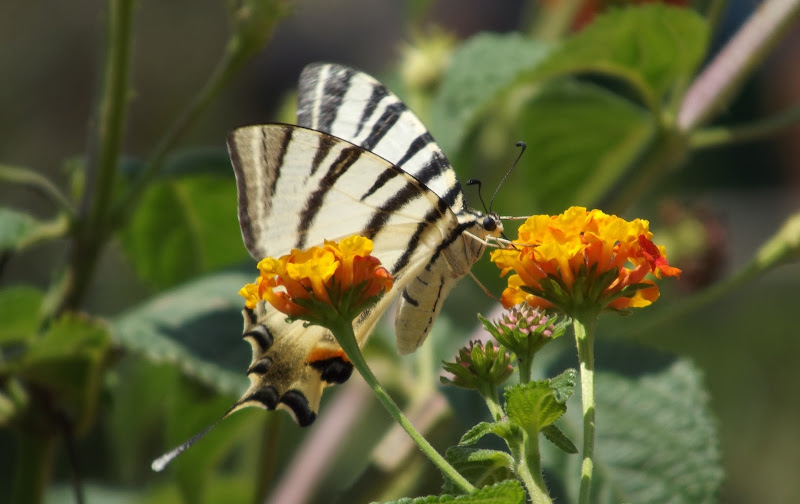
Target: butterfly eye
<point>489,223</point>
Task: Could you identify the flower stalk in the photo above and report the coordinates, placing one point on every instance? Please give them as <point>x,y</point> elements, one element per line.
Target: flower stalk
<point>584,326</point>
<point>342,329</point>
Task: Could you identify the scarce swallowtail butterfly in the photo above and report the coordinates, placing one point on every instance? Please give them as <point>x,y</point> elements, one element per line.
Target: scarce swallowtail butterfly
<point>358,162</point>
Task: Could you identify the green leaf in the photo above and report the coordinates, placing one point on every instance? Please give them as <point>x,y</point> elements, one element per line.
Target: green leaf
<point>652,47</point>
<point>656,439</point>
<point>68,362</point>
<point>535,405</point>
<point>481,69</point>
<point>581,139</point>
<point>473,435</point>
<point>559,439</point>
<point>504,492</point>
<point>184,227</point>
<point>481,467</point>
<point>181,324</point>
<point>19,311</point>
<point>563,385</point>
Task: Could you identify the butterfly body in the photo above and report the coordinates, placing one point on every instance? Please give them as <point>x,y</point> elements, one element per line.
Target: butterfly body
<point>358,162</point>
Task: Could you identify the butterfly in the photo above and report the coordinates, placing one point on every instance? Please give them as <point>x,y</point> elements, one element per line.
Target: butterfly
<point>357,162</point>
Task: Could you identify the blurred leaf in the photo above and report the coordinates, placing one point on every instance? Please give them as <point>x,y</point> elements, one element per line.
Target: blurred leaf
<point>210,160</point>
<point>580,139</point>
<point>15,227</point>
<point>199,312</point>
<point>142,392</point>
<point>68,362</point>
<point>184,227</point>
<point>480,467</point>
<point>656,440</point>
<point>190,413</point>
<point>13,400</point>
<point>19,311</point>
<point>651,47</point>
<point>60,494</point>
<point>505,492</point>
<point>481,69</point>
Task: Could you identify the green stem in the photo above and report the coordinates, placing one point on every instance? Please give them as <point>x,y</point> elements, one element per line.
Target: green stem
<point>103,154</point>
<point>584,326</point>
<point>343,331</point>
<point>232,60</point>
<point>489,393</point>
<point>555,19</point>
<point>101,164</point>
<point>529,470</point>
<point>36,181</point>
<point>34,463</point>
<point>720,136</point>
<point>525,365</point>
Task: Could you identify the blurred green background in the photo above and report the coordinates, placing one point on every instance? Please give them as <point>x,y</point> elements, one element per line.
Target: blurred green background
<point>746,342</point>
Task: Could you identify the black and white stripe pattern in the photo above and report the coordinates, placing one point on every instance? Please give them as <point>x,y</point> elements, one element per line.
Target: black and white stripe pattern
<point>360,162</point>
<point>353,106</point>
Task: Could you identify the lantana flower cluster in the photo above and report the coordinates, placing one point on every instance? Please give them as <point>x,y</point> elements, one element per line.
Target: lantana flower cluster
<point>582,257</point>
<point>341,275</point>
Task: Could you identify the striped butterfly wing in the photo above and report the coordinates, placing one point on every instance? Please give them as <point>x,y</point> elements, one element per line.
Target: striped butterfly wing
<point>351,105</point>
<point>361,163</point>
<point>354,106</point>
<point>298,187</point>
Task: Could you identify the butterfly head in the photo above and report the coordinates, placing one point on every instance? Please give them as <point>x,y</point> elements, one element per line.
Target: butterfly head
<point>492,225</point>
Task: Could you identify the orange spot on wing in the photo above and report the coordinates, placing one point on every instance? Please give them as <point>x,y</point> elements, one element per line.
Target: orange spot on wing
<point>321,354</point>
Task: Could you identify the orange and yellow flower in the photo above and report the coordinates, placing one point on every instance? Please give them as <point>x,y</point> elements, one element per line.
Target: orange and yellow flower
<point>341,275</point>
<point>581,257</point>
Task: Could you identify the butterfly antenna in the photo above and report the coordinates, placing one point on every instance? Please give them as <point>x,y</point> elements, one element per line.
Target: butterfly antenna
<point>477,182</point>
<point>161,462</point>
<point>522,146</point>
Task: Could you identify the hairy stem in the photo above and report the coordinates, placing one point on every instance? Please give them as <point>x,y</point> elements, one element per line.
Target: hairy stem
<point>584,327</point>
<point>347,340</point>
<point>529,470</point>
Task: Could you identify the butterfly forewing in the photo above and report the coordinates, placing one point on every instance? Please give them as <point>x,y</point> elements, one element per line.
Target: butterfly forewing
<point>355,107</point>
<point>287,200</point>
